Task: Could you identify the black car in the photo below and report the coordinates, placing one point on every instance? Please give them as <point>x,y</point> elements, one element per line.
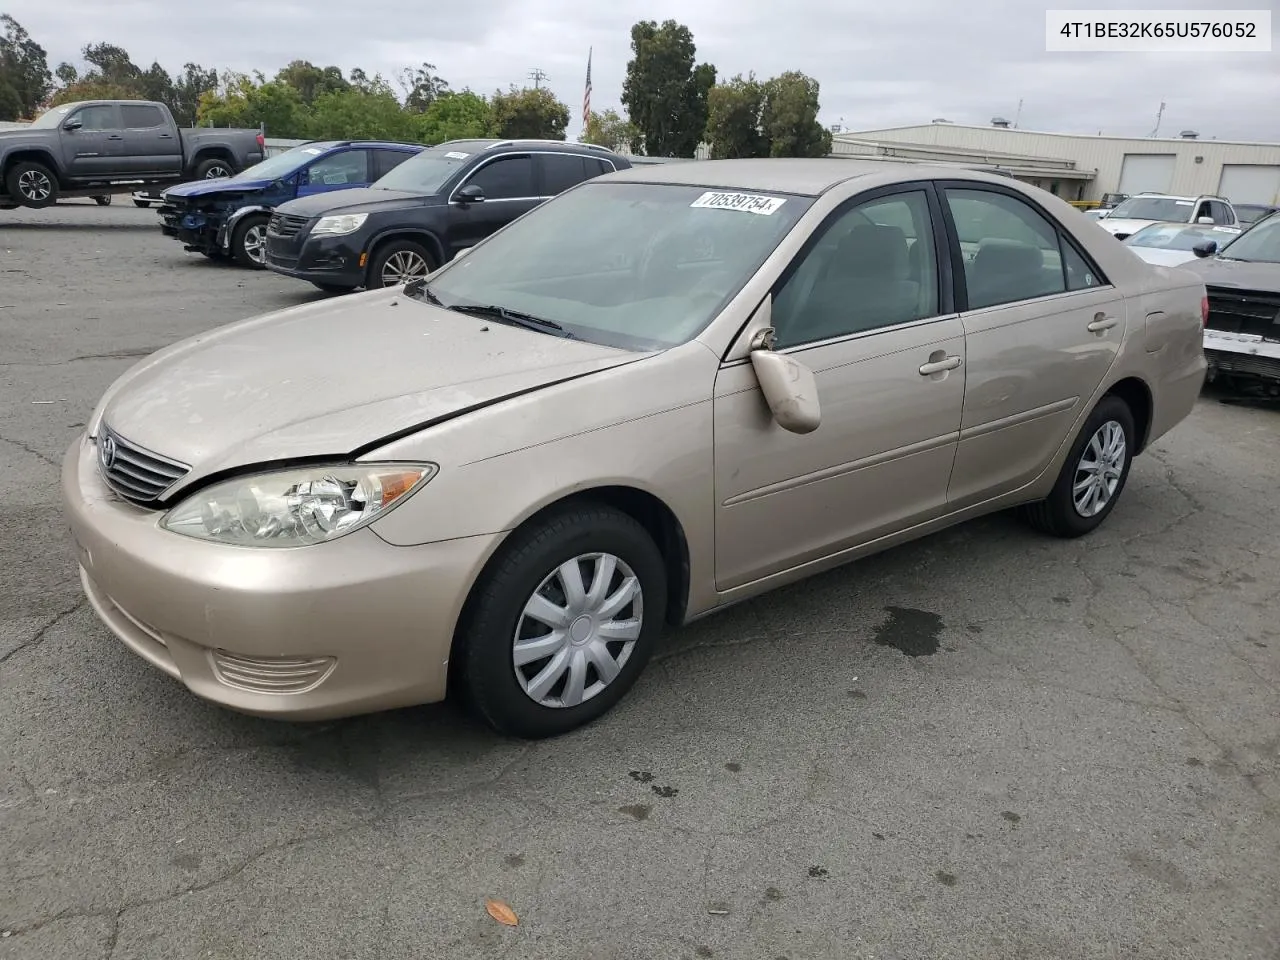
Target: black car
<point>1242,333</point>
<point>421,214</point>
<point>1251,213</point>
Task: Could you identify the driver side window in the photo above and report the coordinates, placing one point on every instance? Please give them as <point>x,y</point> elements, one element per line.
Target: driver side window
<point>506,178</point>
<point>96,118</point>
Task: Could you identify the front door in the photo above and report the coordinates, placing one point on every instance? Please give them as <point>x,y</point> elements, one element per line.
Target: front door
<point>866,307</point>
<point>336,171</point>
<point>94,150</point>
<point>508,184</point>
<point>1042,327</point>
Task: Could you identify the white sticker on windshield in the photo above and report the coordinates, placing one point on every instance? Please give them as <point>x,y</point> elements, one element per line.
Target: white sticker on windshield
<point>1224,230</point>
<point>312,150</point>
<point>748,202</point>
<point>456,155</point>
<point>1183,203</point>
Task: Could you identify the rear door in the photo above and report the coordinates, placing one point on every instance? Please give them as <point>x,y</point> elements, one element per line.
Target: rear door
<point>96,149</point>
<point>557,172</point>
<point>150,145</point>
<point>339,170</point>
<point>509,191</point>
<point>384,161</point>
<point>1042,328</point>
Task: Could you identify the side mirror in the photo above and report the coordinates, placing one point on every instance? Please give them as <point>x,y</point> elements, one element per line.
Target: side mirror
<point>789,387</point>
<point>75,123</point>
<point>471,193</point>
<point>1204,219</point>
<point>1206,248</point>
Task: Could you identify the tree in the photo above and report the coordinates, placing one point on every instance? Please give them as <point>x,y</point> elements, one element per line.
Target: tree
<point>609,130</point>
<point>664,93</point>
<point>733,119</point>
<point>789,117</point>
<point>529,114</point>
<point>244,101</point>
<point>312,82</point>
<point>111,64</point>
<point>422,87</point>
<point>455,116</point>
<point>188,87</point>
<point>25,80</point>
<point>360,114</point>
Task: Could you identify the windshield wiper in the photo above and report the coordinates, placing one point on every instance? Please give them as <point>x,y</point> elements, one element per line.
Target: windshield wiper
<point>512,317</point>
<point>419,288</point>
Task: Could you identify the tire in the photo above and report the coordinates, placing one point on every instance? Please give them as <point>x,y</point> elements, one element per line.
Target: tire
<point>144,204</point>
<point>214,169</point>
<point>395,252</point>
<point>249,240</point>
<point>32,184</point>
<point>332,287</point>
<point>103,201</point>
<point>495,687</point>
<point>1058,515</point>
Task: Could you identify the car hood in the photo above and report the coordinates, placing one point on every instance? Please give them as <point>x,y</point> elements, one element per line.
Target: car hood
<point>1162,256</point>
<point>1112,225</point>
<point>331,378</point>
<point>203,188</point>
<point>1237,274</point>
<point>353,200</point>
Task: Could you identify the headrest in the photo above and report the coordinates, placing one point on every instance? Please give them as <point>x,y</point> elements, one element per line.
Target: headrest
<point>1007,256</point>
<point>873,250</point>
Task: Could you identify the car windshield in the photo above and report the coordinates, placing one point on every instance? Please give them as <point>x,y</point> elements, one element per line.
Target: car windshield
<point>1259,244</point>
<point>1153,208</point>
<point>51,118</point>
<point>283,164</point>
<point>640,266</point>
<point>428,172</point>
<point>1248,212</point>
<point>1176,237</point>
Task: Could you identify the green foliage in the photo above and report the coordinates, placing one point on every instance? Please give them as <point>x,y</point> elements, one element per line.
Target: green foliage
<point>776,118</point>
<point>312,82</point>
<point>609,130</point>
<point>245,101</point>
<point>422,87</point>
<point>25,80</point>
<point>91,90</point>
<point>455,116</point>
<point>529,114</point>
<point>370,113</point>
<point>664,93</point>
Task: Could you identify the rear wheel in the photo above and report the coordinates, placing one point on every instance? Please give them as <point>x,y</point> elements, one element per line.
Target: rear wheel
<point>144,204</point>
<point>32,184</point>
<point>104,201</point>
<point>397,262</point>
<point>213,169</point>
<point>563,622</point>
<point>249,242</point>
<point>1093,476</point>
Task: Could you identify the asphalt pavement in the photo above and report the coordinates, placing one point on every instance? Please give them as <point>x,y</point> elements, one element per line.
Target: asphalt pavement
<point>986,744</point>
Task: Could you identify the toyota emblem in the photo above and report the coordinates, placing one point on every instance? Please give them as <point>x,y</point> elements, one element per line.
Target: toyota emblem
<point>107,452</point>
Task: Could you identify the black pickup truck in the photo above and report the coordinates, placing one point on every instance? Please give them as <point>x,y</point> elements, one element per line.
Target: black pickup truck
<point>99,147</point>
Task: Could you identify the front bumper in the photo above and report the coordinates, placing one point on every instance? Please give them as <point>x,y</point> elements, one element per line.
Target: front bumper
<point>195,230</point>
<point>335,629</point>
<point>329,260</point>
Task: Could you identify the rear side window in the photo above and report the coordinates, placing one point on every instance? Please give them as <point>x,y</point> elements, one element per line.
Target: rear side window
<point>560,172</point>
<point>387,160</point>
<point>141,116</point>
<point>506,178</point>
<point>1011,252</point>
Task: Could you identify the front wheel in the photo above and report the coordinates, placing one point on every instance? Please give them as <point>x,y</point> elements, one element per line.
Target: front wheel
<point>1093,476</point>
<point>32,184</point>
<point>397,262</point>
<point>249,242</point>
<point>103,201</point>
<point>563,622</point>
<point>144,204</point>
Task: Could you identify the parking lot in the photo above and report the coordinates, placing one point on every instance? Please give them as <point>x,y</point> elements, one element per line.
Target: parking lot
<point>986,744</point>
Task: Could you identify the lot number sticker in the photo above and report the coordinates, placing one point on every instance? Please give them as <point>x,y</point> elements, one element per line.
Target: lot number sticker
<point>456,155</point>
<point>747,202</point>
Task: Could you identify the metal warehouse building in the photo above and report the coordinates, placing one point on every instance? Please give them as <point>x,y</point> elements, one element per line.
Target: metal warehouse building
<point>1081,167</point>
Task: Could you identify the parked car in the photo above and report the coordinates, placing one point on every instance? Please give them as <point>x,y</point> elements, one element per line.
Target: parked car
<point>1170,244</point>
<point>1251,213</point>
<point>1242,335</point>
<point>1110,201</point>
<point>1097,213</point>
<point>1147,208</point>
<point>668,389</point>
<point>98,147</point>
<point>419,216</point>
<point>228,217</point>
<point>153,196</point>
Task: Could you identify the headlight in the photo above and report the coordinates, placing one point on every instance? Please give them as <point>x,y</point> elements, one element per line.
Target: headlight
<point>340,225</point>
<point>292,508</point>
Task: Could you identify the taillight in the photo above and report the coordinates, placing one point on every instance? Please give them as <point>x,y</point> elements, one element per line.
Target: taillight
<point>1204,311</point>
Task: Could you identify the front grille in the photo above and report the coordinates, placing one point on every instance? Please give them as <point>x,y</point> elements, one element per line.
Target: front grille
<point>282,225</point>
<point>133,472</point>
<point>271,675</point>
<point>1245,311</point>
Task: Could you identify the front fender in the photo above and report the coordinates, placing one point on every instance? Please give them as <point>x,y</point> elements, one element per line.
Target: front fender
<point>240,213</point>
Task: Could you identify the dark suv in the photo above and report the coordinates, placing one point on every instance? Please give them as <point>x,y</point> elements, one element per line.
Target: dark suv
<point>426,210</point>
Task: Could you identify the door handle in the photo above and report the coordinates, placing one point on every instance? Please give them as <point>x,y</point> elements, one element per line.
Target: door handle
<point>939,366</point>
<point>1102,322</point>
<point>115,136</point>
<point>166,136</point>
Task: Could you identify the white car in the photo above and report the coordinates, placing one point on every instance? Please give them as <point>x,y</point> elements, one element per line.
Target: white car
<point>1148,208</point>
<point>1170,244</point>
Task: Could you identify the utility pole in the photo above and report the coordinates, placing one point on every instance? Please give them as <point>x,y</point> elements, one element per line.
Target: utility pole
<point>537,76</point>
<point>1159,117</point>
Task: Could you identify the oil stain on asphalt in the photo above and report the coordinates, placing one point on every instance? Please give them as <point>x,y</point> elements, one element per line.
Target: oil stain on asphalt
<point>915,632</point>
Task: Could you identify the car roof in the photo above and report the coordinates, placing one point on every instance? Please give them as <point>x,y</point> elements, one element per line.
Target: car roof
<point>801,176</point>
<point>532,145</point>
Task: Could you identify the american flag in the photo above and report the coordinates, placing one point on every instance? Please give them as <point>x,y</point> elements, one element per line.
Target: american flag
<point>586,95</point>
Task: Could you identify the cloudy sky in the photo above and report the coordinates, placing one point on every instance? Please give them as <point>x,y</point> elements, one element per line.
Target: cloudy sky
<point>891,62</point>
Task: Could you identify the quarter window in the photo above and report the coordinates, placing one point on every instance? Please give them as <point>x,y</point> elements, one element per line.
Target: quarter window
<point>873,266</point>
<point>1011,252</point>
<point>506,178</point>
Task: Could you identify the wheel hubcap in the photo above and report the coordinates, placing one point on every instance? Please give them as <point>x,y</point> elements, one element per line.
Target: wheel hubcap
<point>401,267</point>
<point>34,185</point>
<point>254,243</point>
<point>215,173</point>
<point>1099,471</point>
<point>578,630</point>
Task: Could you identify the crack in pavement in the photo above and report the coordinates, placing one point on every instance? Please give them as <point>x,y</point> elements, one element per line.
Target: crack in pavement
<point>43,631</point>
<point>27,448</point>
